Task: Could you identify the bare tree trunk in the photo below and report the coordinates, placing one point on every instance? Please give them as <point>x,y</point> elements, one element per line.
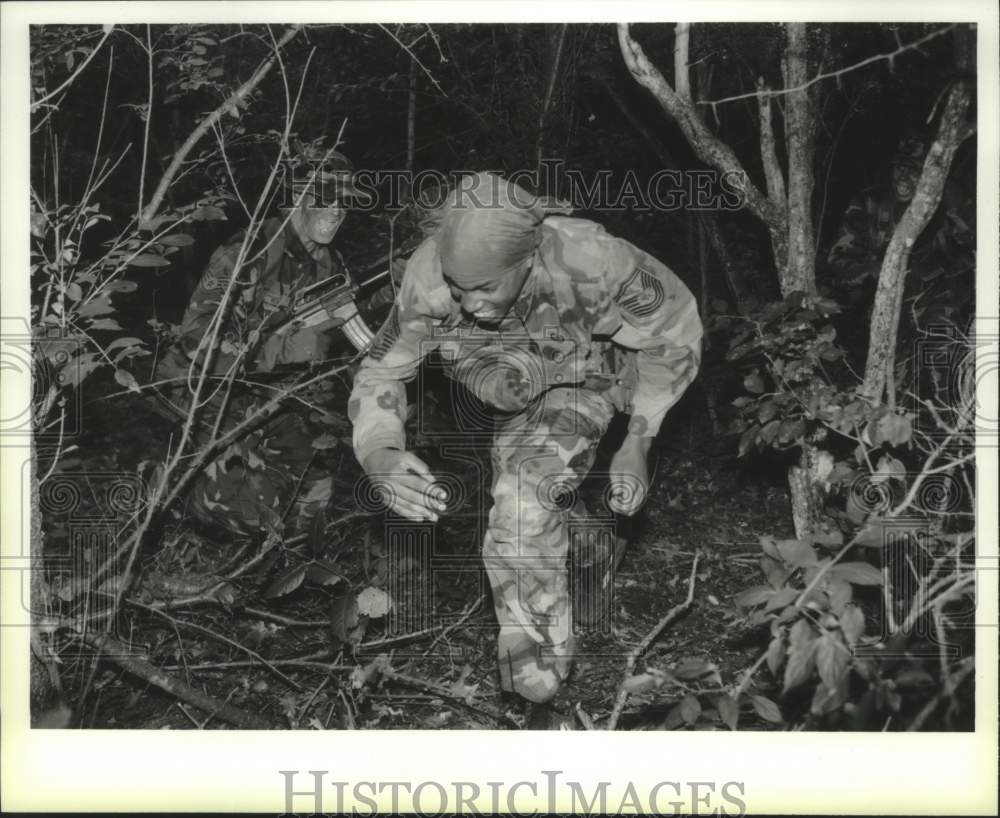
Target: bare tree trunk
<point>800,138</point>
<point>952,131</point>
<point>799,273</point>
<point>788,218</point>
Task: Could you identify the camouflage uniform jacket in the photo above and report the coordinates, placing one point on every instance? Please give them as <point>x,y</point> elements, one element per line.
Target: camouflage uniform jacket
<point>594,312</point>
<point>870,219</point>
<point>275,267</point>
<point>864,233</point>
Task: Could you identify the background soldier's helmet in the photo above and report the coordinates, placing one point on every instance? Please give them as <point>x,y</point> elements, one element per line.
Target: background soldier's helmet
<point>911,152</point>
<point>326,179</point>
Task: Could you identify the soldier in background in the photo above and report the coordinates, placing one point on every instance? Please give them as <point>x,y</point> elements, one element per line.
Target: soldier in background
<point>266,480</point>
<point>946,247</point>
<point>555,324</point>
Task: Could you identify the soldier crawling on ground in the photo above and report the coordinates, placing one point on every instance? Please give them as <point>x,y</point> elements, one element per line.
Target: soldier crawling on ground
<point>268,479</point>
<point>555,324</point>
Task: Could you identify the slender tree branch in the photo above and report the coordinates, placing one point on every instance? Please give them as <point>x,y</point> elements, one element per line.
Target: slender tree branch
<point>238,96</point>
<point>38,103</point>
<point>952,130</point>
<point>149,119</point>
<point>889,56</point>
<point>769,156</point>
<point>682,79</point>
<point>709,148</point>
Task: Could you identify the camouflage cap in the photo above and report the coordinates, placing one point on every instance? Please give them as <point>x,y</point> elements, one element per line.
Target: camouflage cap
<point>911,151</point>
<point>324,182</point>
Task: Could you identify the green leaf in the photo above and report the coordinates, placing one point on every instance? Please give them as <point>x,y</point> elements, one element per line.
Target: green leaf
<point>753,383</point>
<point>127,379</point>
<point>121,286</point>
<point>690,709</point>
<point>829,539</point>
<point>694,668</point>
<point>122,342</point>
<point>766,709</point>
<point>858,573</point>
<point>286,582</point>
<point>766,411</point>
<point>769,547</point>
<point>105,323</point>
<point>801,654</point>
<point>786,596</point>
<point>729,710</point>
<point>99,306</point>
<point>852,624</point>
<point>770,431</point>
<point>78,368</point>
<point>892,429</point>
<point>840,593</point>
<point>325,441</point>
<point>747,439</point>
<point>774,571</point>
<point>344,618</point>
<point>832,660</point>
<point>753,596</point>
<point>149,260</point>
<point>321,573</point>
<point>792,430</point>
<point>177,240</point>
<point>642,682</point>
<point>914,677</point>
<point>887,468</point>
<point>775,654</point>
<point>797,553</point>
<point>209,212</point>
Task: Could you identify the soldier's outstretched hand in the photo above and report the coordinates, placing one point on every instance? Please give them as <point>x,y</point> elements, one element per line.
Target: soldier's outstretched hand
<point>405,484</point>
<point>629,476</point>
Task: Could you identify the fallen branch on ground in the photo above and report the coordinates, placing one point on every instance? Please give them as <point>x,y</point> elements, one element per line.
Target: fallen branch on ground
<point>112,650</point>
<point>442,691</point>
<point>648,640</point>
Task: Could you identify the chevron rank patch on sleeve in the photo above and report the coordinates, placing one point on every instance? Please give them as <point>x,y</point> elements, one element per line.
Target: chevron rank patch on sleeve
<point>642,294</point>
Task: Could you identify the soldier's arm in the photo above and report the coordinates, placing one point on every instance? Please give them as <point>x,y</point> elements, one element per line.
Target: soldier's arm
<point>377,406</point>
<point>204,304</point>
<point>659,318</point>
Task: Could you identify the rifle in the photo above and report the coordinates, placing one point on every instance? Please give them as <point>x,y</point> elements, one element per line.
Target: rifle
<point>330,303</point>
<point>327,304</point>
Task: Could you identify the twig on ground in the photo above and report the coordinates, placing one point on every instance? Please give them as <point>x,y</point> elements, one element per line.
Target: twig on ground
<point>650,637</point>
<point>442,691</point>
<point>469,610</point>
<point>223,639</point>
<point>114,651</point>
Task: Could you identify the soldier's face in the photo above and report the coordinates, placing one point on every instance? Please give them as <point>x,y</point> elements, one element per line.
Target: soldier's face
<point>490,301</point>
<point>322,223</point>
<point>904,182</point>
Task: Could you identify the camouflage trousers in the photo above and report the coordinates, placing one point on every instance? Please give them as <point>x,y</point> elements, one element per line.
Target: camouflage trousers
<point>266,481</point>
<point>539,456</point>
